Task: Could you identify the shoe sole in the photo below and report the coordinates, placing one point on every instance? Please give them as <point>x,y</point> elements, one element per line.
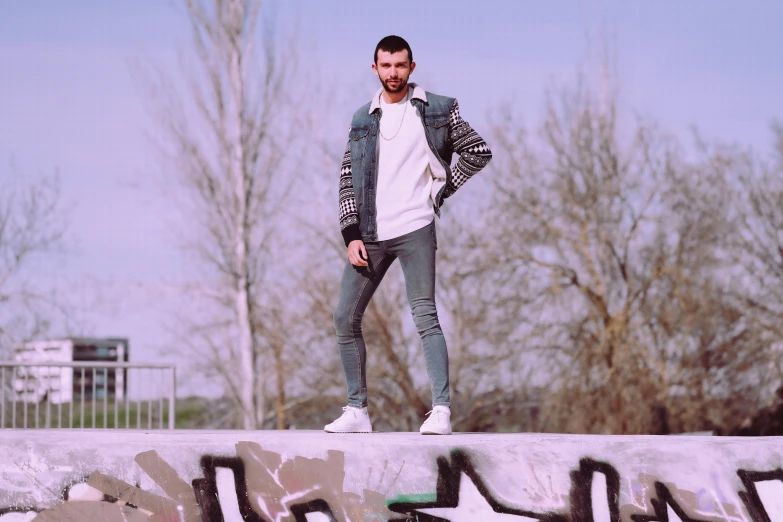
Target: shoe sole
<point>361,430</point>
<point>435,433</point>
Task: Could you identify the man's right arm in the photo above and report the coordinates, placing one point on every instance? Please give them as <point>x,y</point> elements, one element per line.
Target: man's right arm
<point>349,215</point>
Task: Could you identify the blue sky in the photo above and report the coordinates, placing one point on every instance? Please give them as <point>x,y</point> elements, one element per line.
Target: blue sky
<point>69,100</point>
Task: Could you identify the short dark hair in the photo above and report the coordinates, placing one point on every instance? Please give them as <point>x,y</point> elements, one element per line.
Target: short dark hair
<point>393,44</point>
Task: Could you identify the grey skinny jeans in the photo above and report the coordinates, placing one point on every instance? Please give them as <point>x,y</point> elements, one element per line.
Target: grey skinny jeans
<point>416,252</point>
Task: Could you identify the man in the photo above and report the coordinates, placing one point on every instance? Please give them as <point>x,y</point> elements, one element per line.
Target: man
<point>395,175</point>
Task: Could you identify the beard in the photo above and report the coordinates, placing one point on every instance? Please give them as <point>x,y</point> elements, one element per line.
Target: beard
<point>402,82</point>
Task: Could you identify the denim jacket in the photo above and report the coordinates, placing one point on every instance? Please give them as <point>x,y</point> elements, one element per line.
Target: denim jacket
<point>446,132</point>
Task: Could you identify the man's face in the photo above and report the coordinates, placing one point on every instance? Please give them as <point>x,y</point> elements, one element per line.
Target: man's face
<point>393,69</point>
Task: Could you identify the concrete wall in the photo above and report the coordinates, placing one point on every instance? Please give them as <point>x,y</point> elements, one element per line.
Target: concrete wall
<point>196,476</point>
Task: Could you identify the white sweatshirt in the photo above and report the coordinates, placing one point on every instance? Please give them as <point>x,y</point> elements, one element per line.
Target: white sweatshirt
<point>405,181</point>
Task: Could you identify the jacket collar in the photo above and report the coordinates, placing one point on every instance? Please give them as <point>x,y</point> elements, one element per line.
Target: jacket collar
<point>418,92</point>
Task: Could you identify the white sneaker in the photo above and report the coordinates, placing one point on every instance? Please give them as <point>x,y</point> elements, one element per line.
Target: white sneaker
<point>438,422</point>
<point>353,420</point>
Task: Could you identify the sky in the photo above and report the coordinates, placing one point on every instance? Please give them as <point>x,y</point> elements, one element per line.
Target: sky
<point>70,102</point>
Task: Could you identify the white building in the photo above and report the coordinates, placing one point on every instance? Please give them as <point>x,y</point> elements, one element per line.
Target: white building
<point>61,384</point>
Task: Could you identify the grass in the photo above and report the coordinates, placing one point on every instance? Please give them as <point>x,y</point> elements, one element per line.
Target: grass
<point>133,415</point>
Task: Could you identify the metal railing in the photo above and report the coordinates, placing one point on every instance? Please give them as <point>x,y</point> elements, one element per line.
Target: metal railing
<point>110,395</point>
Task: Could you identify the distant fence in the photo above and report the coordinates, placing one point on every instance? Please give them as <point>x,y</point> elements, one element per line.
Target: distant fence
<point>87,395</point>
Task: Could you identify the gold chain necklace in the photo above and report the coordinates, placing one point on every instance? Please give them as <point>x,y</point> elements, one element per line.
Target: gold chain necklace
<point>404,110</point>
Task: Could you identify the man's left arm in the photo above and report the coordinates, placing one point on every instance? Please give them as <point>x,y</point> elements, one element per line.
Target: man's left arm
<point>473,151</point>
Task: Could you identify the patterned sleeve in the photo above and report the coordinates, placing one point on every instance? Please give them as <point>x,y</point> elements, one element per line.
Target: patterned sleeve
<point>474,153</point>
<point>349,216</point>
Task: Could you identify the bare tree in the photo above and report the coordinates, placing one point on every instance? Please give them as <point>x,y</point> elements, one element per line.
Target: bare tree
<point>32,226</point>
<point>759,191</point>
<point>623,244</point>
<point>229,135</point>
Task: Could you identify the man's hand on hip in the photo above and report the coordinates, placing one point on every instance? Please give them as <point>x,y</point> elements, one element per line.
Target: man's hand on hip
<point>357,254</point>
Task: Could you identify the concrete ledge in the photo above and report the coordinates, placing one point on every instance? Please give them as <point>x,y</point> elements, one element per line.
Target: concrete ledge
<point>200,476</point>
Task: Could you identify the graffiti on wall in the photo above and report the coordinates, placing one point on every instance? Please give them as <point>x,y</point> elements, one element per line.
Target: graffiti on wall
<point>594,496</point>
<point>257,485</point>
